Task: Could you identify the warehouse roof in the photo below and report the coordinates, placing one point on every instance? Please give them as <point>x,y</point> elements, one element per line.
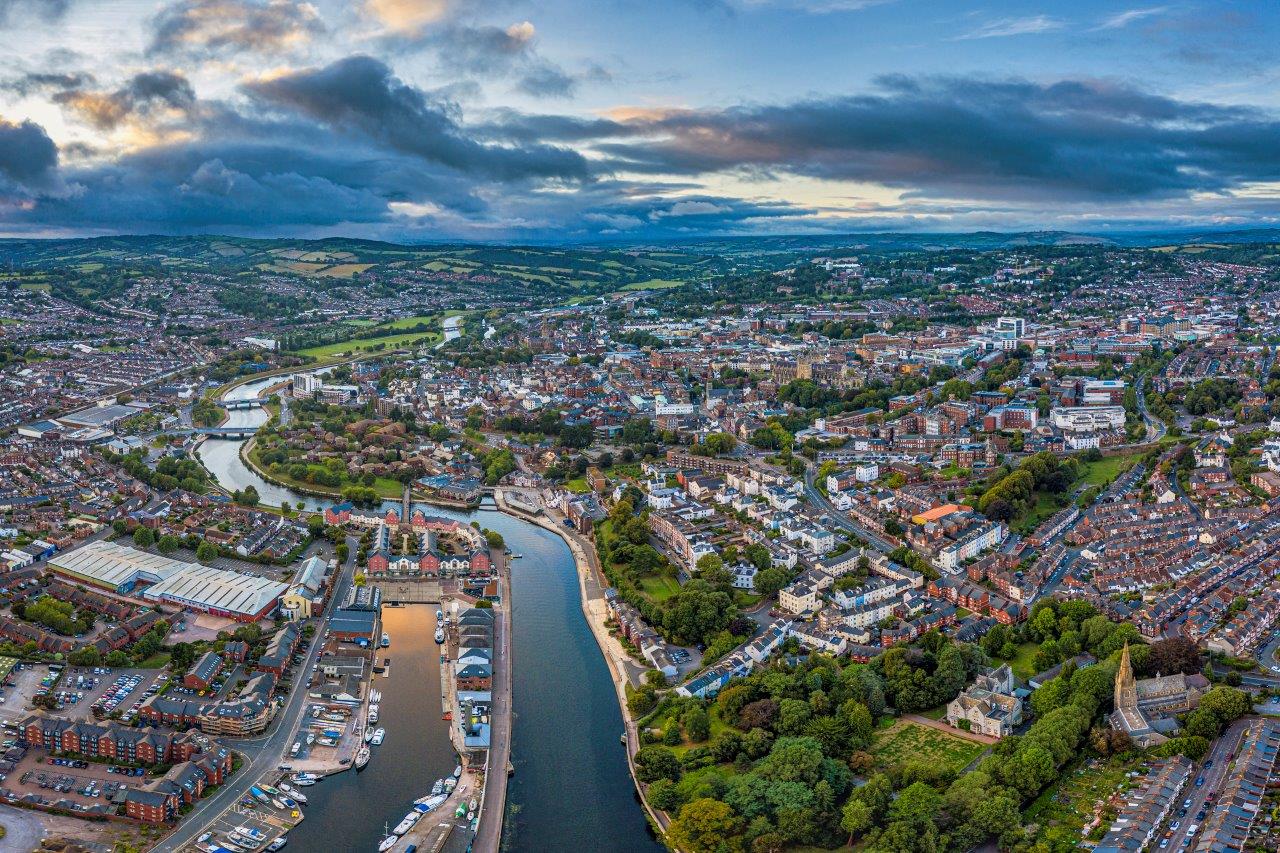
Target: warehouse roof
<point>205,586</point>
<point>172,580</point>
<point>116,565</point>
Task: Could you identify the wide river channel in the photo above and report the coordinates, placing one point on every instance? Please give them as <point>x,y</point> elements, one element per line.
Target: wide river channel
<point>571,790</point>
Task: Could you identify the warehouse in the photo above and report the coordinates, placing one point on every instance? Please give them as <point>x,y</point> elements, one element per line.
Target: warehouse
<point>128,571</point>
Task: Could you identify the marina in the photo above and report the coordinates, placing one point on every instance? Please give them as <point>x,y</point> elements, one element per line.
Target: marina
<point>561,684</point>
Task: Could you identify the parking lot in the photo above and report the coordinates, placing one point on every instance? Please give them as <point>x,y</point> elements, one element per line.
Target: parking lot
<point>251,819</point>
<point>72,784</point>
<point>78,690</point>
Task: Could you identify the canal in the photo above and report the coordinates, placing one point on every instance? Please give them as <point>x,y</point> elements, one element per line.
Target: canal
<point>571,789</point>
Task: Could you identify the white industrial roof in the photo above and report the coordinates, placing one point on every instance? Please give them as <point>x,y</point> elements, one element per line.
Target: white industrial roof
<point>173,580</point>
<point>109,563</point>
<point>205,586</point>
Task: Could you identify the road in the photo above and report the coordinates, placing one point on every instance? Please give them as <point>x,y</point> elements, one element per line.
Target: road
<point>263,753</point>
<point>819,500</point>
<point>1222,747</point>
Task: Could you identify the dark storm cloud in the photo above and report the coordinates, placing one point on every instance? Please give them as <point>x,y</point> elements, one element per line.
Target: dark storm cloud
<point>140,95</point>
<point>546,80</point>
<point>360,95</point>
<point>513,126</point>
<point>214,26</point>
<point>979,138</point>
<point>28,159</point>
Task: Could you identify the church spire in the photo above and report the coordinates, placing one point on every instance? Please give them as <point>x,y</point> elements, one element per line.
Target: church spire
<point>1126,697</point>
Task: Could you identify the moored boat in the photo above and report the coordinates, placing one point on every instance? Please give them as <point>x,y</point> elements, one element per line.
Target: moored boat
<point>362,757</point>
<point>439,635</point>
<point>457,772</point>
<point>378,735</point>
<point>438,787</point>
<point>449,785</point>
<point>386,640</point>
<point>368,735</point>
<point>387,843</point>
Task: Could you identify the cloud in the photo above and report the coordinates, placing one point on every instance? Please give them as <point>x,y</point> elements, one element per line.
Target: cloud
<point>547,80</point>
<point>217,26</point>
<point>1001,27</point>
<point>406,17</point>
<point>970,138</point>
<point>45,10</point>
<point>1120,20</point>
<point>35,82</point>
<point>360,95</point>
<point>28,161</point>
<point>140,96</point>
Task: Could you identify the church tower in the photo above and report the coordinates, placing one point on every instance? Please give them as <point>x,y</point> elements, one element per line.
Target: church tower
<point>1126,687</point>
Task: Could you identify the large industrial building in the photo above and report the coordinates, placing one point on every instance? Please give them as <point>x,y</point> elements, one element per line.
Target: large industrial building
<point>128,571</point>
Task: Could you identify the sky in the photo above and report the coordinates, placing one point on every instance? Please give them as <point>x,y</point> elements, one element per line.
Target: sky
<point>644,120</point>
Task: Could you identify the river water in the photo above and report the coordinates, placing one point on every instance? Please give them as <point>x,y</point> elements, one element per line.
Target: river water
<point>571,790</point>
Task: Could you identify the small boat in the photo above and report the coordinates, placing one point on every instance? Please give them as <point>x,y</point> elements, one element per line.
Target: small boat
<point>471,815</point>
<point>439,615</point>
<point>375,695</point>
<point>387,843</point>
<point>297,795</point>
<point>374,712</point>
<point>278,843</point>
<point>259,795</point>
<point>438,787</point>
<point>460,811</point>
<point>304,782</point>
<point>439,635</point>
<point>289,803</point>
<point>311,738</point>
<point>426,804</point>
<point>228,844</point>
<point>336,718</point>
<point>473,804</point>
<point>362,757</point>
<point>269,791</point>
<point>293,750</point>
<point>407,824</point>
<point>386,640</point>
<point>278,803</point>
<point>368,735</point>
<point>249,832</point>
<point>447,715</point>
<point>457,772</point>
<point>328,741</point>
<point>378,736</point>
<point>449,785</point>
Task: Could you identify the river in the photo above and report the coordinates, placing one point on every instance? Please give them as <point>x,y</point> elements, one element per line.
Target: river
<point>571,789</point>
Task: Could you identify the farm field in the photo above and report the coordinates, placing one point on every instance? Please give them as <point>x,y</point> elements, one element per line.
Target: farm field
<point>652,284</point>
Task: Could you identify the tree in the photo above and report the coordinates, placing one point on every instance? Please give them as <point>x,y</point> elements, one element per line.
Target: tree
<point>855,818</point>
<point>206,552</point>
<point>143,537</point>
<point>707,826</point>
<point>697,725</point>
<point>168,544</point>
<point>656,762</point>
<point>770,581</point>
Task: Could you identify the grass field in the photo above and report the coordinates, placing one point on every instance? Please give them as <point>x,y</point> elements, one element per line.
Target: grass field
<point>577,485</point>
<point>659,589</point>
<point>652,284</point>
<point>903,742</point>
<point>388,341</point>
<point>1023,664</point>
<point>1106,469</point>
